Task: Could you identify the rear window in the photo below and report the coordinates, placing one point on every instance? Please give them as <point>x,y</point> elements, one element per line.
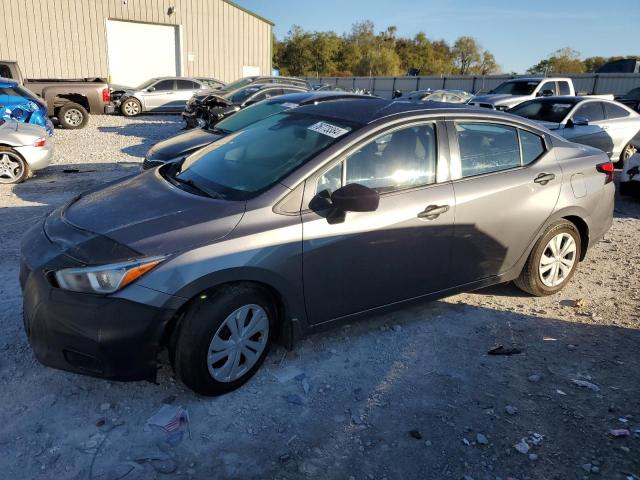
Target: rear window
<point>614,111</point>
<point>249,161</point>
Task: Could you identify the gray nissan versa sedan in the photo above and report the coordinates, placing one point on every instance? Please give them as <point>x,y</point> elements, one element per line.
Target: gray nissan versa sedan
<point>307,218</point>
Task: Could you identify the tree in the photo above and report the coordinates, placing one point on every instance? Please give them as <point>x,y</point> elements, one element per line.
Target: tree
<point>466,54</point>
<point>295,55</point>
<point>487,65</point>
<point>591,64</point>
<point>562,61</point>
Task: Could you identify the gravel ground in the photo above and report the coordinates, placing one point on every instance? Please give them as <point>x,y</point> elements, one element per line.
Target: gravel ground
<point>406,395</point>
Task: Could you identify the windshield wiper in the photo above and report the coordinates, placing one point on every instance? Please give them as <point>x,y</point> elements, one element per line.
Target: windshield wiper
<point>190,183</point>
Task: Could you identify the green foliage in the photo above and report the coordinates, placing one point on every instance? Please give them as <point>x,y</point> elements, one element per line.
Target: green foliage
<point>567,61</point>
<point>363,52</point>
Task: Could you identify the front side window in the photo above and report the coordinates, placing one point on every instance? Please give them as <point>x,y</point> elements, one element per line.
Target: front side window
<point>249,161</point>
<point>548,86</point>
<point>615,111</point>
<point>164,85</point>
<point>401,159</point>
<point>592,111</point>
<point>486,148</point>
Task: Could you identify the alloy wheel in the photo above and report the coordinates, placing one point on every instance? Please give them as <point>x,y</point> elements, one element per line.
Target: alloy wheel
<point>238,343</point>
<point>557,260</point>
<point>11,167</point>
<point>131,108</point>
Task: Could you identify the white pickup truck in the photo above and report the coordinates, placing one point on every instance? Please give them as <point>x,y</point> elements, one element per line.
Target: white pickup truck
<point>513,92</point>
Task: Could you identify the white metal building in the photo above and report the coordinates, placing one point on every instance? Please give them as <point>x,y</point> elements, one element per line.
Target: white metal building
<point>128,41</point>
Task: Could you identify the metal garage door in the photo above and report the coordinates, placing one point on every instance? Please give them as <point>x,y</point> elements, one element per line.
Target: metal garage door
<point>139,51</point>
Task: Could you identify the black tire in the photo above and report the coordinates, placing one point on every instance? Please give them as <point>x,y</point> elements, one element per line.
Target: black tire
<point>18,173</point>
<point>206,314</point>
<point>72,116</point>
<point>131,107</point>
<point>529,280</point>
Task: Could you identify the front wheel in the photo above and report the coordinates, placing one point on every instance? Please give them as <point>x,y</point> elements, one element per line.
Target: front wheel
<point>131,107</point>
<point>223,339</point>
<point>13,168</point>
<point>552,262</point>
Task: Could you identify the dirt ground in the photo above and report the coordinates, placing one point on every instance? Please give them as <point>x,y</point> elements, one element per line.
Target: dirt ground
<point>408,395</point>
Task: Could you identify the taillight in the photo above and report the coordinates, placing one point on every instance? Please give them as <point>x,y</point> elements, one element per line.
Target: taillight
<point>41,142</point>
<point>106,95</point>
<point>607,169</point>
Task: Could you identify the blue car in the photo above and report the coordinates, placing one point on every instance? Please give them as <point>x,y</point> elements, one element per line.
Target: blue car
<point>19,104</point>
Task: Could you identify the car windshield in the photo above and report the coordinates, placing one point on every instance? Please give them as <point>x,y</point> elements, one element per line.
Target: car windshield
<point>543,111</point>
<point>518,87</point>
<point>146,84</point>
<point>632,94</point>
<point>252,114</point>
<point>239,96</point>
<point>238,84</point>
<point>247,162</point>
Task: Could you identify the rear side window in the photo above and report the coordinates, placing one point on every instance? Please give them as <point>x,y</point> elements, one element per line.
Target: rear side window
<point>486,148</point>
<point>614,111</point>
<point>592,111</point>
<point>532,146</point>
<point>564,88</point>
<point>164,85</point>
<point>187,85</point>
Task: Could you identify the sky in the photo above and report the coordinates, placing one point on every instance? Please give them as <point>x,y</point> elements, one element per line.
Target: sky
<point>519,33</point>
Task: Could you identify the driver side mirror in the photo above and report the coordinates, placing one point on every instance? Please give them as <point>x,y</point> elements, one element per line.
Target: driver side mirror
<point>577,122</point>
<point>355,198</point>
<point>546,93</point>
<point>151,89</point>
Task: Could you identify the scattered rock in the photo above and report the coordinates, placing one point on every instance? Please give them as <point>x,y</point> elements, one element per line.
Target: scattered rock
<point>416,434</point>
<point>535,378</point>
<point>511,410</point>
<point>522,446</point>
<point>482,439</point>
<point>105,406</point>
<point>533,456</point>
<point>285,374</point>
<point>586,467</point>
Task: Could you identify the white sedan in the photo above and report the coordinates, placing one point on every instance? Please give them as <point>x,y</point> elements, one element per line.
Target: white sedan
<point>592,121</point>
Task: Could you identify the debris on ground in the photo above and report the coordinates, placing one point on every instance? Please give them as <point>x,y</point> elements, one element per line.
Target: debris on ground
<point>522,446</point>
<point>502,350</point>
<point>482,439</point>
<point>511,410</point>
<point>585,384</point>
<point>619,432</point>
<point>173,420</point>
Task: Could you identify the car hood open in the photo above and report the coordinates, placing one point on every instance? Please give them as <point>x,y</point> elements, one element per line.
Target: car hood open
<point>148,214</point>
<point>182,144</point>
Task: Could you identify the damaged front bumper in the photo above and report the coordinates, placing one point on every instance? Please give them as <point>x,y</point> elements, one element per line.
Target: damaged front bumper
<point>98,335</point>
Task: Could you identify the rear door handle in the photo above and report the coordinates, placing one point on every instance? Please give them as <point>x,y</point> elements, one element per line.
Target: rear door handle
<point>433,211</point>
<point>544,178</point>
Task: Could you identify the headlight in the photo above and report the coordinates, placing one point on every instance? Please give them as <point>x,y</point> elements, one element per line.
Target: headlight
<point>105,278</point>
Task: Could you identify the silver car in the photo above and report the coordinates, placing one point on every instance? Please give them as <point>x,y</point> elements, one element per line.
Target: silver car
<point>311,217</point>
<point>446,96</point>
<point>604,124</point>
<point>166,94</point>
<point>24,148</point>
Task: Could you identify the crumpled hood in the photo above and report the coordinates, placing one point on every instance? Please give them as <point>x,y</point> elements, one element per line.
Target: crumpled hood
<point>182,144</point>
<point>150,215</point>
<point>500,99</point>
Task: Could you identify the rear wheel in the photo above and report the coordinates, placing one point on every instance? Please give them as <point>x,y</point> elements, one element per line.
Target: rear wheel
<point>13,168</point>
<point>223,339</point>
<point>626,153</point>
<point>131,107</point>
<point>72,116</point>
<point>552,262</point>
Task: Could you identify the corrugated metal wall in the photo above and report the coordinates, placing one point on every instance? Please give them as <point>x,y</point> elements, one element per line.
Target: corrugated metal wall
<point>67,38</point>
<point>604,83</point>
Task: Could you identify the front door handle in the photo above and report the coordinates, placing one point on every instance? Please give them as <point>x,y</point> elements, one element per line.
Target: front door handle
<point>544,178</point>
<point>433,211</point>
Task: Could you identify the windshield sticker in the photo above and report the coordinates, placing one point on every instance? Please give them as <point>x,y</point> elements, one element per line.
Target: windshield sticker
<point>290,105</point>
<point>328,129</point>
